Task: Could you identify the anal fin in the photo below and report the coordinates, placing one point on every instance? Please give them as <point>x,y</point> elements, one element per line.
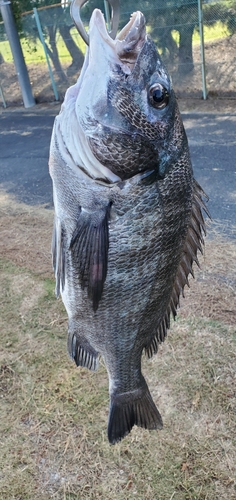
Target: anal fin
<point>82,352</point>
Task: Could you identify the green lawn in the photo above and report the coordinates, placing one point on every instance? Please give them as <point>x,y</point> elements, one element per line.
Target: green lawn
<point>34,53</point>
<point>211,33</point>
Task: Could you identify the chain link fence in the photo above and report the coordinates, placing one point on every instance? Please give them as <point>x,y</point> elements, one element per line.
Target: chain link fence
<point>54,51</point>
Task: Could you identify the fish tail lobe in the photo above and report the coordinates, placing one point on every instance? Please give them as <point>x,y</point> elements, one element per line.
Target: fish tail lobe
<point>132,408</point>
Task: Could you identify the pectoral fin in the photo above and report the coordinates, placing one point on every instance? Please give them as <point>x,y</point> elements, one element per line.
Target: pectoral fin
<point>89,250</point>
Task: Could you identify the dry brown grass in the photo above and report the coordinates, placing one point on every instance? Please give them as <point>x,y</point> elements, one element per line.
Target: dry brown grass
<point>26,235</point>
<point>213,292</point>
<point>53,416</point>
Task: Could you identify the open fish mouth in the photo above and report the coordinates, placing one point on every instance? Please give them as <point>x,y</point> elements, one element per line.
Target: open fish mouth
<point>128,43</point>
<point>130,39</point>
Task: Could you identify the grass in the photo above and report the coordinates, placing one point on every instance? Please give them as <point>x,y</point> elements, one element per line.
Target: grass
<point>34,53</point>
<point>211,33</point>
<point>53,416</point>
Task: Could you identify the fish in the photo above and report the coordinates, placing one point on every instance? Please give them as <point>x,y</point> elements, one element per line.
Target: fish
<point>129,214</point>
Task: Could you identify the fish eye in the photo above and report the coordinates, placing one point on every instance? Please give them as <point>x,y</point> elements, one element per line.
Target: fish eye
<point>158,96</point>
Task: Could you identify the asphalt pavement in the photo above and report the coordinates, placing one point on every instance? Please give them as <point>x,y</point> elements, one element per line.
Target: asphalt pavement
<point>24,149</point>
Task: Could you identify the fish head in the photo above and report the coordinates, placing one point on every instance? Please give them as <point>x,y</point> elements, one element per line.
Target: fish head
<point>125,103</point>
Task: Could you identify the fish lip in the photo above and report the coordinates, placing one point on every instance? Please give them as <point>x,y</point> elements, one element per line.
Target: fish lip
<point>131,38</point>
<point>128,42</point>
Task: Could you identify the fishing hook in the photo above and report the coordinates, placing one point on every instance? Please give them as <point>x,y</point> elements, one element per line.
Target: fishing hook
<point>75,15</point>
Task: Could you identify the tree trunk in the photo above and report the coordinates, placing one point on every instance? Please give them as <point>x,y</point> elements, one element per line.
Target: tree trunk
<point>73,49</point>
<point>53,53</point>
<point>186,49</point>
<point>168,44</point>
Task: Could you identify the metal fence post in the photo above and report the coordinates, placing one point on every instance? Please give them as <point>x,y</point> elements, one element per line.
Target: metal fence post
<point>107,14</point>
<point>2,97</point>
<point>203,63</point>
<point>21,69</point>
<point>46,53</point>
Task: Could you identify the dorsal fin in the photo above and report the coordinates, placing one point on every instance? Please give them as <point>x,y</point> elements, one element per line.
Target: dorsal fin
<point>89,250</point>
<point>193,243</point>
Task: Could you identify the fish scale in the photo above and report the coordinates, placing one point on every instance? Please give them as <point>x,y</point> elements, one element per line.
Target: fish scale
<point>128,214</point>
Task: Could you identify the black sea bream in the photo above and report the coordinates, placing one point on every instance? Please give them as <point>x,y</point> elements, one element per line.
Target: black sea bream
<point>128,214</point>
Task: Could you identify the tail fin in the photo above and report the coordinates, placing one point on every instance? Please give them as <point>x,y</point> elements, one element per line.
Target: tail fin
<point>129,409</point>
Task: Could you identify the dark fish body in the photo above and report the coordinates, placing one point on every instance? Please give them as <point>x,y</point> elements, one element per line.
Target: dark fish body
<point>128,219</point>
